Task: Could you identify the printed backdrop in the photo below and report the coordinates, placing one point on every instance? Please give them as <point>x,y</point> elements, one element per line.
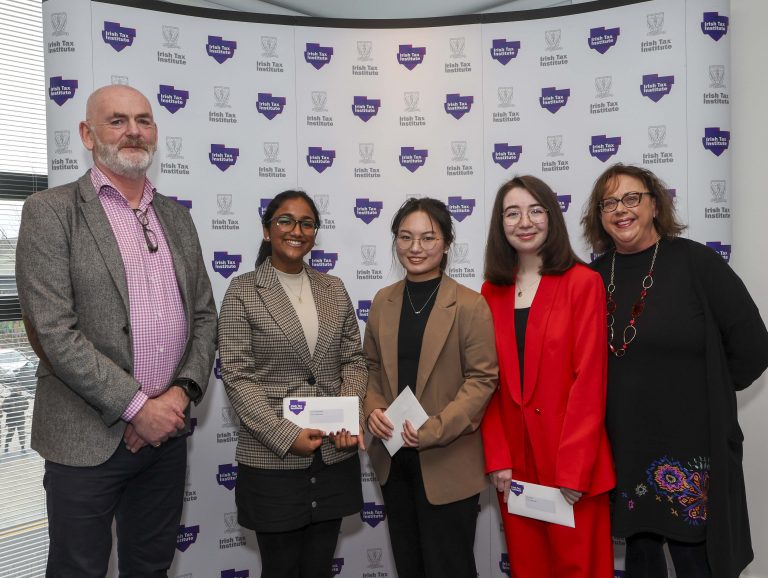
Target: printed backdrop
<point>362,118</point>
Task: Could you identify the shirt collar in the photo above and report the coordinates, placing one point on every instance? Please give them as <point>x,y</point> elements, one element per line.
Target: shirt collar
<point>105,187</point>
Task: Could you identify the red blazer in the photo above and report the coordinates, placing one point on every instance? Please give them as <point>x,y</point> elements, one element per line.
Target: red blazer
<point>562,406</point>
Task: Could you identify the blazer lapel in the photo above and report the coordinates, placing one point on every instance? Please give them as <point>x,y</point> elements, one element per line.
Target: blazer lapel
<point>436,332</point>
<point>98,223</point>
<point>536,330</point>
<point>327,314</point>
<point>389,328</point>
<point>281,310</point>
<point>501,299</point>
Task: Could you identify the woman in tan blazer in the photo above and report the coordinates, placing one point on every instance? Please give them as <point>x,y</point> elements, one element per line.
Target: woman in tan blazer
<point>434,336</point>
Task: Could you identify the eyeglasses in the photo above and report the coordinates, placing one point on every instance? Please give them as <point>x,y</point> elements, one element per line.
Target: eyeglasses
<point>286,224</point>
<point>149,234</point>
<point>629,200</point>
<point>405,241</point>
<point>513,215</point>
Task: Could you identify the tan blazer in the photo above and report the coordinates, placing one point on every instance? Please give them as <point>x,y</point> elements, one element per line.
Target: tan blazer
<point>457,375</point>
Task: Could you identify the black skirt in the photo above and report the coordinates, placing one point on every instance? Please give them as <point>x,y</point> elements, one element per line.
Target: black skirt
<point>285,500</point>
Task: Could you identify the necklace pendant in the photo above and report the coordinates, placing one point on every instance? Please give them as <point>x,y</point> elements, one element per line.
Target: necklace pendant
<point>520,293</point>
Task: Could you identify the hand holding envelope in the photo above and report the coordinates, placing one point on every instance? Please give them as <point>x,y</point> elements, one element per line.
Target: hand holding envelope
<point>405,408</point>
<point>540,502</point>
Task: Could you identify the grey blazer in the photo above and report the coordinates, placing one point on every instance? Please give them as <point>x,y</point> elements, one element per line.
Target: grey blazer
<point>73,290</point>
<point>264,358</point>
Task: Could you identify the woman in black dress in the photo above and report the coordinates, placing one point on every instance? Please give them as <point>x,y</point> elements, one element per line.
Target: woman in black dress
<point>684,335</point>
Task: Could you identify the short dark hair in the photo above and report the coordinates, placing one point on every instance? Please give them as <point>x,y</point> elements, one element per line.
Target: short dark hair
<point>501,260</point>
<point>437,213</point>
<point>665,222</point>
<point>265,249</point>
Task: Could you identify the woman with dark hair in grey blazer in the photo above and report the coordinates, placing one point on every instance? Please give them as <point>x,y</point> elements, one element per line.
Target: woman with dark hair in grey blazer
<point>288,330</point>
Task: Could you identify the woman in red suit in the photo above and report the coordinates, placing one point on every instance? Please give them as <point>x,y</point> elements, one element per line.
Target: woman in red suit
<point>545,423</point>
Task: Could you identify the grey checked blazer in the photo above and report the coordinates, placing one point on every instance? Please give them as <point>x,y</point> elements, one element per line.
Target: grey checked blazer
<point>73,290</point>
<point>264,358</point>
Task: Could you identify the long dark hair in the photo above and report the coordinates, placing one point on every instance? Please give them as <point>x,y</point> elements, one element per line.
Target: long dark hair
<point>437,213</point>
<point>665,222</point>
<point>265,249</point>
<point>501,260</point>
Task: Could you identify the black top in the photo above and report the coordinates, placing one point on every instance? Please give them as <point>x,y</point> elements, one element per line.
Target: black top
<point>657,409</point>
<point>521,323</point>
<point>412,325</point>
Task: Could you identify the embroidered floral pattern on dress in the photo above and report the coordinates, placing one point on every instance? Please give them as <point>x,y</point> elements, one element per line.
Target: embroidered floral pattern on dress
<point>688,487</point>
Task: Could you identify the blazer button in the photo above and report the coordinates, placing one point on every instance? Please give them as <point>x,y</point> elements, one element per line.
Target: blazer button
<point>125,329</point>
<point>538,411</point>
<point>311,380</point>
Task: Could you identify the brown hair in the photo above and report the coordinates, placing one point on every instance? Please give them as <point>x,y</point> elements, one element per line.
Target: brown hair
<point>437,213</point>
<point>501,259</point>
<point>665,222</point>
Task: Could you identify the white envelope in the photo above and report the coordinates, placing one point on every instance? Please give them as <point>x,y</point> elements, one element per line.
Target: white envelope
<point>405,407</point>
<point>540,502</point>
<point>330,414</point>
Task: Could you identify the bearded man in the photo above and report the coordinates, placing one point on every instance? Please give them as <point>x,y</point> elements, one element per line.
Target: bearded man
<point>118,306</point>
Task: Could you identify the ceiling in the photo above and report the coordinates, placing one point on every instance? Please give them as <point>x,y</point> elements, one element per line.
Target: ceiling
<point>374,8</point>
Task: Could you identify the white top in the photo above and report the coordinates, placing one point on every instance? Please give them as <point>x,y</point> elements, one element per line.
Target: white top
<point>299,292</point>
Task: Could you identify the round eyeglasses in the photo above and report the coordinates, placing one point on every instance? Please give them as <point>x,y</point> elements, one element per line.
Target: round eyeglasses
<point>404,241</point>
<point>286,224</point>
<point>513,215</point>
<point>629,200</point>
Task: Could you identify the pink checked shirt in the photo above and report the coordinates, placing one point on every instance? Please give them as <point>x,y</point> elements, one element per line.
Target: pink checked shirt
<point>158,322</point>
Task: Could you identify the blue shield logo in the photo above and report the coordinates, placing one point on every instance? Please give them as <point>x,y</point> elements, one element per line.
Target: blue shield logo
<point>323,261</point>
<point>602,38</point>
<point>117,36</point>
<point>186,536</point>
<point>457,105</point>
<point>460,208</point>
<point>223,157</point>
<point>604,147</point>
<point>412,158</point>
<point>270,106</point>
<point>656,87</point>
<point>411,56</point>
<point>365,108</point>
<point>320,159</point>
<point>219,49</point>
<point>60,90</point>
<point>227,476</point>
<point>316,55</point>
<point>715,140</point>
<point>367,210</point>
<point>225,264</point>
<point>171,99</point>
<point>554,99</point>
<point>714,25</point>
<point>506,155</point>
<point>503,50</point>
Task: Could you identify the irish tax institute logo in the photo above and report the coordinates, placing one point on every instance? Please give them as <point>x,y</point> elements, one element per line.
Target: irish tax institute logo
<point>411,56</point>
<point>723,250</point>
<point>227,476</point>
<point>363,309</point>
<point>219,49</point>
<point>457,105</point>
<point>316,55</point>
<point>172,99</point>
<point>604,147</point>
<point>365,108</point>
<point>503,50</point>
<point>602,39</point>
<point>412,158</point>
<point>319,158</point>
<point>323,261</point>
<point>714,25</point>
<point>553,99</point>
<point>270,106</point>
<point>186,536</point>
<point>225,264</point>
<point>656,87</point>
<point>715,140</point>
<point>117,36</point>
<point>367,210</point>
<point>61,90</point>
<point>564,201</point>
<point>223,157</point>
<point>460,208</point>
<point>232,573</point>
<point>505,155</point>
<point>372,514</point>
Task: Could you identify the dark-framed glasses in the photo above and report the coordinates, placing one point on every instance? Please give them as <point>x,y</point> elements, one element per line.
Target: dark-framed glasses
<point>286,224</point>
<point>404,241</point>
<point>513,215</point>
<point>149,234</point>
<point>629,200</point>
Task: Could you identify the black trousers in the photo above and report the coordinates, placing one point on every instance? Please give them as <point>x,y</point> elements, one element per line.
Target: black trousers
<point>428,541</point>
<point>142,492</point>
<point>303,553</point>
<point>645,557</point>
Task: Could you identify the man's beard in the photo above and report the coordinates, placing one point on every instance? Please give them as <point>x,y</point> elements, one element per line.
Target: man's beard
<point>130,166</point>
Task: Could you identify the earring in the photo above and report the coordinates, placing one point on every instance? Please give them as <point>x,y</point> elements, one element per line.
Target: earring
<point>266,238</point>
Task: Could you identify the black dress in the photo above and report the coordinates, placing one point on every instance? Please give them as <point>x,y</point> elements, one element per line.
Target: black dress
<point>657,409</point>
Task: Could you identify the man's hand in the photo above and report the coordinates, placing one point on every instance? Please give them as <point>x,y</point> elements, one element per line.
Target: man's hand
<point>159,418</point>
<point>132,440</point>
<point>307,442</point>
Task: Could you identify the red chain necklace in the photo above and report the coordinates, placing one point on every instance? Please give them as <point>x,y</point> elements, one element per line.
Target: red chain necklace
<point>630,331</point>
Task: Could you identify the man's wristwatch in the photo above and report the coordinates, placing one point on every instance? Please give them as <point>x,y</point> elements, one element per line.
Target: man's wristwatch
<point>190,387</point>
